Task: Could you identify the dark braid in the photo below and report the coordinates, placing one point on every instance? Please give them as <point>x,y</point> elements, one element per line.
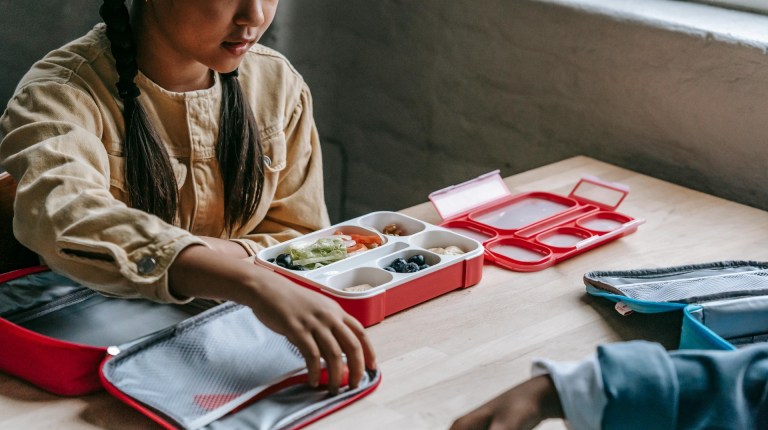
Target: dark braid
<point>149,175</point>
<point>240,154</point>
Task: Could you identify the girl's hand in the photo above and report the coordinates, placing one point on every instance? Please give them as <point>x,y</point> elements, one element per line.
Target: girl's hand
<point>521,408</point>
<point>317,325</point>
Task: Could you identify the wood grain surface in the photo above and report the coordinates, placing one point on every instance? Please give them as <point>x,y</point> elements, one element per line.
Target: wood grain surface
<point>444,357</point>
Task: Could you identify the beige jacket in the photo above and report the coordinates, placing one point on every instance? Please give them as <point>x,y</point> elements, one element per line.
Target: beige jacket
<point>63,133</point>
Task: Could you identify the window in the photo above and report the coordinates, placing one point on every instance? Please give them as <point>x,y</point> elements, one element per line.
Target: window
<point>750,5</point>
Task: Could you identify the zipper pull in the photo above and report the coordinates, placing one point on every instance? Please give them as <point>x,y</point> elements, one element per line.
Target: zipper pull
<point>623,309</point>
<point>113,351</point>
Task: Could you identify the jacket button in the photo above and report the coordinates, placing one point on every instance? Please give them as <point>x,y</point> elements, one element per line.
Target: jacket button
<point>146,265</point>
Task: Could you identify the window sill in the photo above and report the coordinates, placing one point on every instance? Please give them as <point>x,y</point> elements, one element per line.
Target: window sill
<point>707,21</point>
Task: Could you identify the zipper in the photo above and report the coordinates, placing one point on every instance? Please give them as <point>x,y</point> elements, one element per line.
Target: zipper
<point>63,302</point>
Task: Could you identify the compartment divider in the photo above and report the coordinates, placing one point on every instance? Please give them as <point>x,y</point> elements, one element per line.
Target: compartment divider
<point>554,221</point>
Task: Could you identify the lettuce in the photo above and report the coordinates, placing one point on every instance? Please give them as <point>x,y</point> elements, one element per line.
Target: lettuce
<point>316,254</point>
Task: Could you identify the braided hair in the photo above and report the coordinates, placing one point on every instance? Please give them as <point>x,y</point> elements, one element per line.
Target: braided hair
<point>149,174</point>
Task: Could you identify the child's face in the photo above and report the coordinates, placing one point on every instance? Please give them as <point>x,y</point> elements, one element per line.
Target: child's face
<point>215,33</point>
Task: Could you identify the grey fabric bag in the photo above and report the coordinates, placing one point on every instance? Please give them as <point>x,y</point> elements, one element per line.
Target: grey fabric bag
<point>724,303</point>
<point>199,365</point>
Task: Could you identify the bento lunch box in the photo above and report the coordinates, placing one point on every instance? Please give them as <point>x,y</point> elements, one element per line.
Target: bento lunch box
<point>535,230</point>
<point>385,291</point>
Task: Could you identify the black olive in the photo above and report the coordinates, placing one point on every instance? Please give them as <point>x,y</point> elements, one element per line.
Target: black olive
<point>297,267</point>
<point>418,259</point>
<point>389,269</point>
<point>424,266</point>
<point>284,260</point>
<point>411,267</point>
<point>270,260</point>
<point>399,265</point>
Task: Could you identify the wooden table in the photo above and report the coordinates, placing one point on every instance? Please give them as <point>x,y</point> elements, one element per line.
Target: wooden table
<point>444,357</point>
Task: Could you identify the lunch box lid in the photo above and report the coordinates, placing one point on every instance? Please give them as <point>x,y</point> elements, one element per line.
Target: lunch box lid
<point>489,189</point>
<point>460,199</point>
<point>533,230</point>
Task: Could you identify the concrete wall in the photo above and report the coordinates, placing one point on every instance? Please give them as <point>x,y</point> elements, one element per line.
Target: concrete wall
<point>32,28</point>
<point>424,94</point>
<point>431,93</point>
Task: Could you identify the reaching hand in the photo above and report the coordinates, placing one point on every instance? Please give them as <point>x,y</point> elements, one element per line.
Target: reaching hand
<point>318,326</point>
<point>521,408</point>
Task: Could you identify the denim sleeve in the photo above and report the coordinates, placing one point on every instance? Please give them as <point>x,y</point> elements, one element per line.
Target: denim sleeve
<point>647,387</point>
<point>580,388</point>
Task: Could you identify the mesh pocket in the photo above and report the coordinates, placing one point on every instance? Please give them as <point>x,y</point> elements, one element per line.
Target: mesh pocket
<point>699,289</point>
<point>205,368</point>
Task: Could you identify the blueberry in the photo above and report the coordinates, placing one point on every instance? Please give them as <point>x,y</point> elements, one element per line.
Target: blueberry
<point>389,269</point>
<point>399,265</point>
<point>418,259</point>
<point>411,267</point>
<point>284,260</point>
<point>424,266</point>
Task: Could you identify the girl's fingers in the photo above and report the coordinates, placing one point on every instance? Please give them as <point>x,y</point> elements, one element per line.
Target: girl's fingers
<point>334,361</point>
<point>309,349</point>
<point>352,348</point>
<point>359,332</point>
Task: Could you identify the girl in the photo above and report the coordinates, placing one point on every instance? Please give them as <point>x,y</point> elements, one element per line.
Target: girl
<point>159,151</point>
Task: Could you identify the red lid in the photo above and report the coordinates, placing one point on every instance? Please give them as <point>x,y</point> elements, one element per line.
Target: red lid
<point>462,198</point>
<point>592,190</point>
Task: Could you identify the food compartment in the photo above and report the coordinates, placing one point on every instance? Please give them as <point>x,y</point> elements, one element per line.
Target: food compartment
<point>523,210</point>
<point>365,284</point>
<point>519,254</point>
<point>563,238</point>
<point>323,248</point>
<point>367,258</point>
<point>409,262</point>
<point>445,243</point>
<point>603,222</point>
<point>471,230</point>
<point>360,280</point>
<point>392,223</point>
